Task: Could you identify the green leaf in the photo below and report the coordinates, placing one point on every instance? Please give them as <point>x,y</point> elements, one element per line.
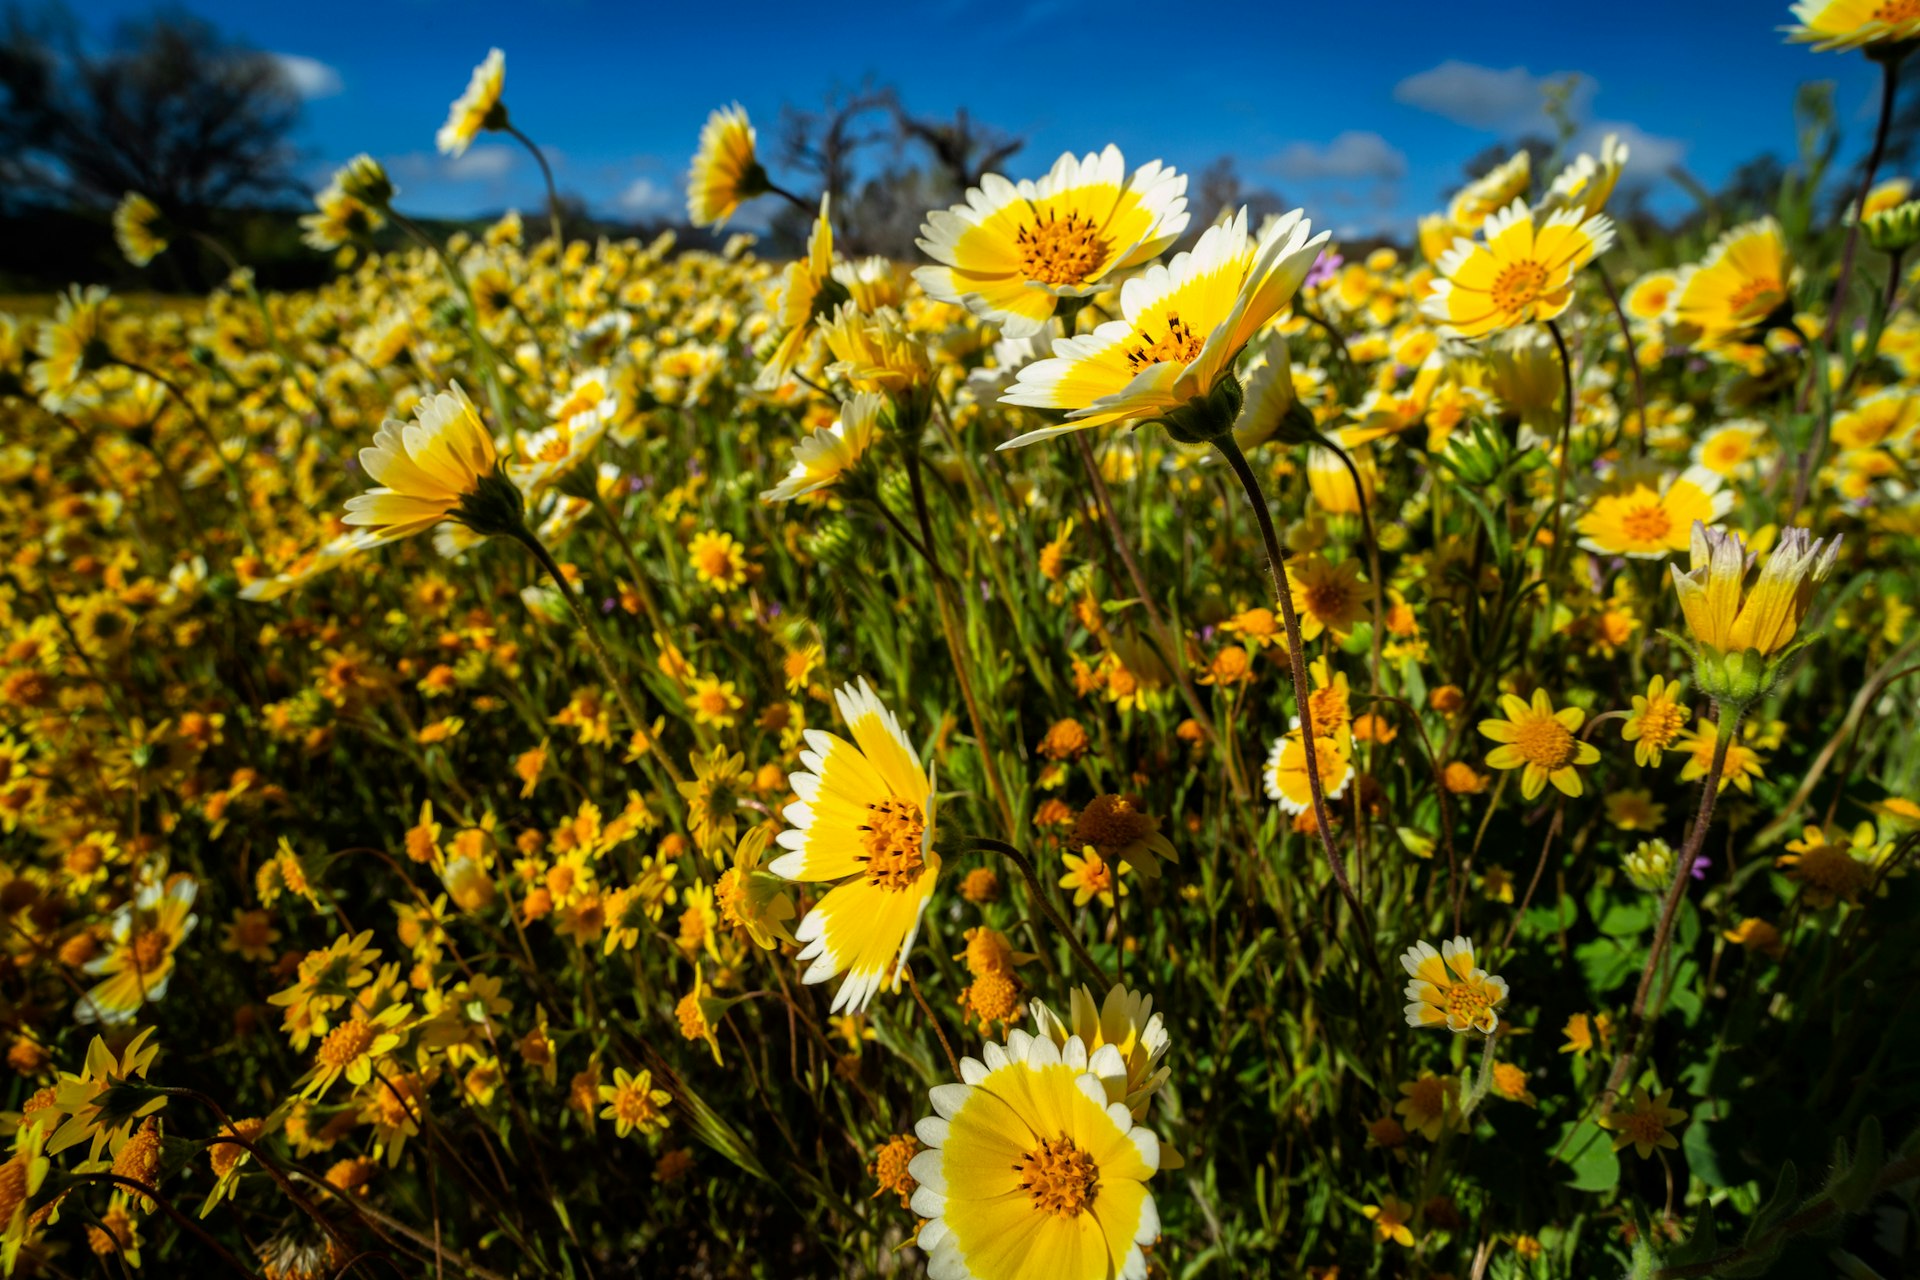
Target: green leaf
<point>1697,1142</point>
<point>1588,1151</point>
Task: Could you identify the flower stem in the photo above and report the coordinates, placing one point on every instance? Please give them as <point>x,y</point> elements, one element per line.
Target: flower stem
<point>1482,1081</point>
<point>525,537</point>
<point>1637,1023</point>
<point>1025,864</point>
<point>1296,653</point>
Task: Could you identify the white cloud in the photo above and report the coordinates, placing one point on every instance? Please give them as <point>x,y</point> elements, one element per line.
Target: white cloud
<point>480,164</point>
<point>310,77</point>
<point>1649,155</point>
<point>1352,156</point>
<point>1487,98</point>
<point>645,198</point>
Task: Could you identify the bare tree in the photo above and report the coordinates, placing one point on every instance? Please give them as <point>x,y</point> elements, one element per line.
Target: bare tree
<point>170,108</point>
<point>962,150</point>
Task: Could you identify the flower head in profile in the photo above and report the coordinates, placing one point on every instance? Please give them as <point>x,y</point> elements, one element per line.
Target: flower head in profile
<point>827,455</point>
<point>1012,252</point>
<point>1031,1171</point>
<point>477,109</point>
<point>71,346</point>
<point>863,822</point>
<point>1183,325</point>
<point>807,291</point>
<point>1586,183</point>
<point>1536,738</point>
<point>1878,26</point>
<point>100,1106</point>
<point>1488,194</point>
<point>139,229</point>
<point>1521,270</point>
<point>441,466</point>
<point>1643,1123</point>
<point>1448,990</point>
<point>1647,517</point>
<point>725,169</point>
<point>1742,283</point>
<point>1741,633</point>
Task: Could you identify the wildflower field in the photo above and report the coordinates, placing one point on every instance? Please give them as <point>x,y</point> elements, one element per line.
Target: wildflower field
<point>1137,744</point>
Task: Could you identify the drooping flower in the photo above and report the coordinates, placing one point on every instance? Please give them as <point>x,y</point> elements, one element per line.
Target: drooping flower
<point>825,457</point>
<point>1012,252</point>
<point>1447,989</point>
<point>1830,25</point>
<point>441,466</point>
<point>478,108</point>
<point>1031,1171</point>
<point>725,170</point>
<point>139,229</point>
<point>864,821</point>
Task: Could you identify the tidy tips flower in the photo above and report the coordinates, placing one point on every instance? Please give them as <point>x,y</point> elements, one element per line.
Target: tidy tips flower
<point>441,466</point>
<point>1447,989</point>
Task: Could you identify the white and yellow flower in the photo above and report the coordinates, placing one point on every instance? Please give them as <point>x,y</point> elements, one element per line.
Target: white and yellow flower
<point>1031,1171</point>
<point>426,469</point>
<point>725,169</point>
<point>1586,183</point>
<point>1183,326</point>
<point>820,460</point>
<point>1519,272</point>
<point>864,819</point>
<point>1014,250</point>
<point>1449,990</point>
<point>476,109</point>
<point>1125,1020</point>
<point>1854,24</point>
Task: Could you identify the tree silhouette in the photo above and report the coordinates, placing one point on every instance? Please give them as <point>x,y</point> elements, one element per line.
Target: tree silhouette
<point>169,108</point>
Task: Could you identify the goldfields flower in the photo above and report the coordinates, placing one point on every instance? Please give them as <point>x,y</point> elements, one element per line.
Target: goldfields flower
<point>1091,876</point>
<point>21,1177</point>
<point>101,1105</point>
<point>441,466</point>
<point>1448,990</point>
<point>725,170</point>
<point>1828,25</point>
<point>1756,934</point>
<point>1540,740</point>
<point>1012,252</point>
<point>1391,1216</point>
<point>1120,831</point>
<point>718,560</point>
<point>478,108</point>
<point>1656,720</point>
<point>890,1167</point>
<point>1742,634</point>
<point>753,901</point>
<point>140,964</point>
<point>633,1104</point>
<point>1631,517</point>
<point>864,819</point>
<point>1031,1171</point>
<point>1643,1123</point>
<point>1833,865</point>
<point>1738,287</point>
<point>1586,183</point>
<point>1429,1104</point>
<point>827,455</point>
<point>1329,597</point>
<point>139,229</point>
<point>1886,418</point>
<point>1125,1020</point>
<point>1518,273</point>
<point>1742,766</point>
<point>1184,324</point>
<point>351,1049</point>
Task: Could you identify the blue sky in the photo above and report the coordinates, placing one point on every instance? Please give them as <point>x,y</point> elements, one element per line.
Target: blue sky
<point>1362,113</point>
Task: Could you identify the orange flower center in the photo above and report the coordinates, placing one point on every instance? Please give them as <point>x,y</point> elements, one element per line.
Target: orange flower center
<point>1519,285</point>
<point>1897,11</point>
<point>1648,522</point>
<point>1660,723</point>
<point>893,835</point>
<point>1178,344</point>
<point>1544,741</point>
<point>1643,1128</point>
<point>1061,1178</point>
<point>1758,296</point>
<point>1466,1002</point>
<point>1061,250</point>
<point>1328,599</point>
<point>149,950</point>
<point>890,1165</point>
<point>634,1104</point>
<point>346,1043</point>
